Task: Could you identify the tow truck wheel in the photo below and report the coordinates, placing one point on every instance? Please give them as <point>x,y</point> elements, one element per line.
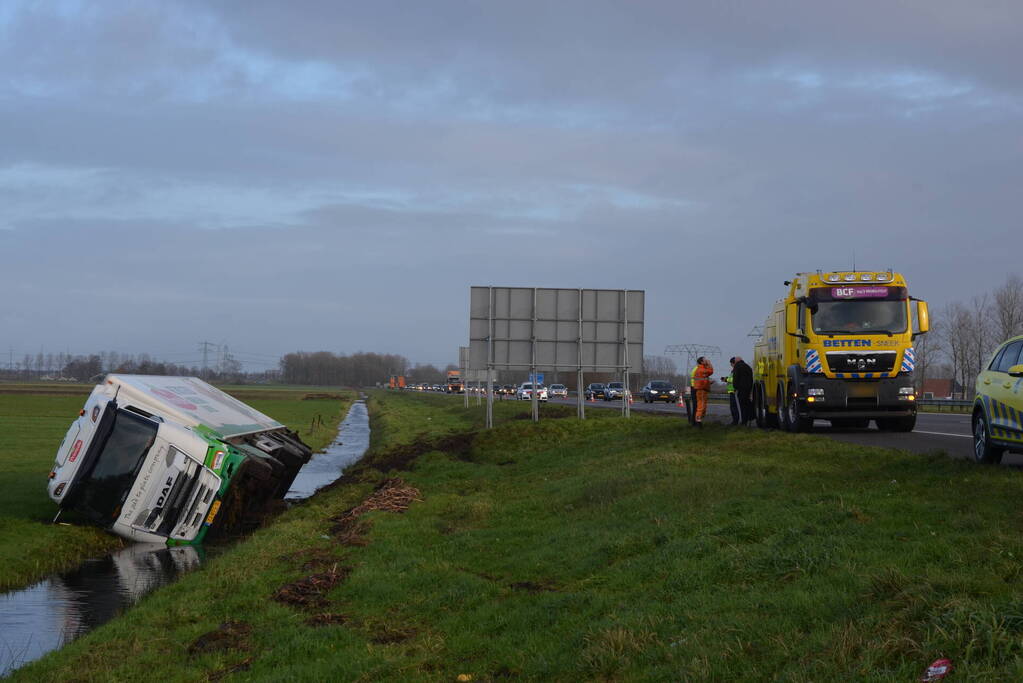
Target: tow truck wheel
<point>983,451</point>
<point>781,408</point>
<point>798,423</point>
<point>759,409</point>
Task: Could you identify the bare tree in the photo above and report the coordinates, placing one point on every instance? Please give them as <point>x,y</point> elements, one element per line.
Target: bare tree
<point>982,340</point>
<point>955,332</point>
<point>928,348</point>
<point>1008,308</point>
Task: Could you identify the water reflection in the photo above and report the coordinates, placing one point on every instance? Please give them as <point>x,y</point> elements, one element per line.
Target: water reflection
<point>55,611</point>
<point>58,610</point>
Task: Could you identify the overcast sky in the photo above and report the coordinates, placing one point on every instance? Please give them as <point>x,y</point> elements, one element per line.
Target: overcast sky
<point>283,176</point>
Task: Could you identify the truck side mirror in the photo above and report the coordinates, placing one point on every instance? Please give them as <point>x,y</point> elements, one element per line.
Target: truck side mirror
<point>923,319</point>
<point>1016,371</point>
<point>793,325</point>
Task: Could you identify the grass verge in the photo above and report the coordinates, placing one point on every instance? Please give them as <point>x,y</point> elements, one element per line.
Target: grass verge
<point>33,425</point>
<point>601,550</point>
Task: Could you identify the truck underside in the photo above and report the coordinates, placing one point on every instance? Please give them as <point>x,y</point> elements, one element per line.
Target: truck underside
<point>265,476</point>
<point>847,404</point>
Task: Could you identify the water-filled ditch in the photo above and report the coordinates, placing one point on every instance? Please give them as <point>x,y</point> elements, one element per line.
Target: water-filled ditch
<point>59,609</point>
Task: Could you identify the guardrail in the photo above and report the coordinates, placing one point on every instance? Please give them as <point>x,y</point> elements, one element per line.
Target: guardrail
<point>952,406</point>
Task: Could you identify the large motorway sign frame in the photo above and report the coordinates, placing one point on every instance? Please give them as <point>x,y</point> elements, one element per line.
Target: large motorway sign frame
<point>546,329</point>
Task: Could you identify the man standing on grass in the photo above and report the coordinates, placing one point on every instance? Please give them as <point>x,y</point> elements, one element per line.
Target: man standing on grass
<point>742,379</point>
<point>733,400</point>
<point>702,376</point>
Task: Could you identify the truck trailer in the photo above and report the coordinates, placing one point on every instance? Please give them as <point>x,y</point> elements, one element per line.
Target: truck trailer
<point>172,460</point>
<point>839,347</point>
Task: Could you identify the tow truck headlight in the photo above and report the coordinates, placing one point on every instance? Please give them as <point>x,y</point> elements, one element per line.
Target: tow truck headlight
<point>814,392</point>
<point>906,391</point>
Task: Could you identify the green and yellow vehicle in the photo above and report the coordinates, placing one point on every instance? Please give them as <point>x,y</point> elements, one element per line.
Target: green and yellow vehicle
<point>172,460</point>
<point>998,405</point>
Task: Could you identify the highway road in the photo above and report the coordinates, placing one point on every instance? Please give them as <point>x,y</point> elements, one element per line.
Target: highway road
<point>935,432</point>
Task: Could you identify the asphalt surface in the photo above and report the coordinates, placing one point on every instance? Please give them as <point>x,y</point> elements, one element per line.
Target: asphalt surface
<point>934,433</point>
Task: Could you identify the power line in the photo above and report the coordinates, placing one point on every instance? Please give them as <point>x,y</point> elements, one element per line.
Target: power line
<point>693,351</point>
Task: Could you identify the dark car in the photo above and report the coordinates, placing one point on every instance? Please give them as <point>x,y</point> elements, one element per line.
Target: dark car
<point>659,390</point>
<point>595,391</point>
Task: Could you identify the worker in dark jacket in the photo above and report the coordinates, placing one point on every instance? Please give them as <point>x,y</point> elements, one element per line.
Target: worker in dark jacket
<point>742,379</point>
<point>733,400</point>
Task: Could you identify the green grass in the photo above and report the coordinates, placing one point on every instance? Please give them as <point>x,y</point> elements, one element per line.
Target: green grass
<point>608,549</point>
<point>33,425</point>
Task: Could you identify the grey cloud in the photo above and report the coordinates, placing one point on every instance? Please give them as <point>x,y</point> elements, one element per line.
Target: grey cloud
<point>355,167</point>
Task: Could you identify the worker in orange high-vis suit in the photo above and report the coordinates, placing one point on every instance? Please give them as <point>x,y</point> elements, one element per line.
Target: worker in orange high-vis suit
<point>702,379</point>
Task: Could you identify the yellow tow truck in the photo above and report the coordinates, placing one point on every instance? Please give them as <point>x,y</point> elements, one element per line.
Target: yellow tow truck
<point>839,347</point>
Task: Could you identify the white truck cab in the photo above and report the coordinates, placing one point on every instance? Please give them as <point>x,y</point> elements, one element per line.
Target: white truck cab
<point>154,458</point>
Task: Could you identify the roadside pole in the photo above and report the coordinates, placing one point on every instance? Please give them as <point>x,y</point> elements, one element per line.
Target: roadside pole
<point>580,400</point>
<point>490,398</point>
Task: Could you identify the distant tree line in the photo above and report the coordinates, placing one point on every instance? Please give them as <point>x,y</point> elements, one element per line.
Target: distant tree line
<point>85,368</point>
<point>355,370</point>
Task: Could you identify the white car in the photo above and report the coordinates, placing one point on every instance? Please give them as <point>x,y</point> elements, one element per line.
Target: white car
<point>558,391</point>
<point>525,392</point>
<point>615,390</point>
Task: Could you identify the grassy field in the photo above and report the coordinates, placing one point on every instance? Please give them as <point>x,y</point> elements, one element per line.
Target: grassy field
<point>599,550</point>
<point>33,420</point>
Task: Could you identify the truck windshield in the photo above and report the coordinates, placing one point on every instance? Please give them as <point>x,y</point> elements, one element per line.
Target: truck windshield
<point>104,487</point>
<point>859,317</point>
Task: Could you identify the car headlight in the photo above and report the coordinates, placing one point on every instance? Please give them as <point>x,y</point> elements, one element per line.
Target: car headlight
<point>672,391</point>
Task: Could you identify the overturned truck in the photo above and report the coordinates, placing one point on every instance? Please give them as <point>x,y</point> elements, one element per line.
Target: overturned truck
<point>173,460</point>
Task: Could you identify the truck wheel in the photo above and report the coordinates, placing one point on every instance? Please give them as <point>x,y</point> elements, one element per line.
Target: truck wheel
<point>984,452</point>
<point>795,421</point>
<point>759,407</point>
<point>781,408</point>
<point>765,419</point>
<point>259,470</point>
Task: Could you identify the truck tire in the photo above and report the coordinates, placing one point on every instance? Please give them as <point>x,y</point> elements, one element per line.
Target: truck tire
<point>984,452</point>
<point>258,469</point>
<point>765,419</point>
<point>759,407</point>
<point>781,408</point>
<point>796,422</point>
<point>896,424</point>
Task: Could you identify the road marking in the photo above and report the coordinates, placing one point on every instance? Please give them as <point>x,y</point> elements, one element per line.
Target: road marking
<point>965,436</point>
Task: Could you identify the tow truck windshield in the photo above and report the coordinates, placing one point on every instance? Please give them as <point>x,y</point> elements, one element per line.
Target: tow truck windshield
<point>102,489</point>
<point>859,317</point>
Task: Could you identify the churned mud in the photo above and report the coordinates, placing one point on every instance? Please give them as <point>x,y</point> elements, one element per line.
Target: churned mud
<point>401,456</point>
<point>393,495</point>
<point>310,592</point>
<point>230,635</point>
